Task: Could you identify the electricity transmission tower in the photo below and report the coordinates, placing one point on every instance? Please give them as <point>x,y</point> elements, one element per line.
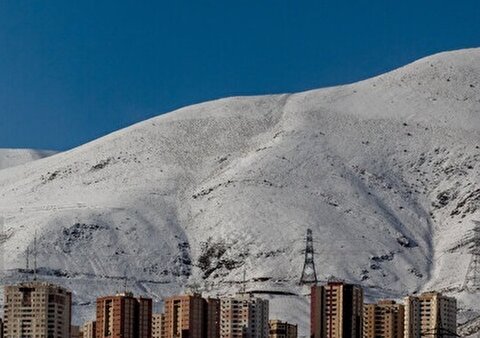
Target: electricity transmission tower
<point>472,278</point>
<point>35,253</point>
<point>309,275</point>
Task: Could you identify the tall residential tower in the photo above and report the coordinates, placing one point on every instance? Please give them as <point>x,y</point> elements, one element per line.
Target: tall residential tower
<point>124,316</point>
<point>430,315</point>
<point>336,311</point>
<point>37,309</point>
<point>244,316</point>
<point>383,320</point>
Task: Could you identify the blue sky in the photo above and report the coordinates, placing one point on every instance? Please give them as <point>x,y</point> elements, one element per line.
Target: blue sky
<point>71,71</point>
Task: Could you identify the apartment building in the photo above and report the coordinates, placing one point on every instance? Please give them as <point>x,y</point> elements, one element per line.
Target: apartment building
<point>244,316</point>
<point>384,319</point>
<point>75,332</point>
<point>336,310</point>
<point>185,316</point>
<point>88,329</point>
<point>430,314</point>
<point>191,316</point>
<point>158,325</point>
<point>37,309</point>
<point>212,306</point>
<point>280,329</point>
<point>124,316</point>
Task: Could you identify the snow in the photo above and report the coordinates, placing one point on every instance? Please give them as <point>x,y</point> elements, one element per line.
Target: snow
<point>383,171</point>
<point>13,157</point>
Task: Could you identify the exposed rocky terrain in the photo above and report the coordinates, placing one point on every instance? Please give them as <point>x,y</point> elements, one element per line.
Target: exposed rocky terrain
<point>384,171</point>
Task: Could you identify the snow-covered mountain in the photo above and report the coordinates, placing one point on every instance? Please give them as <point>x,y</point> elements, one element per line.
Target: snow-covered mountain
<point>384,171</point>
<point>13,157</point>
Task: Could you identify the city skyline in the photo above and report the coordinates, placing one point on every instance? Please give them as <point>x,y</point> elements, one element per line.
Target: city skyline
<point>39,309</point>
<point>325,143</point>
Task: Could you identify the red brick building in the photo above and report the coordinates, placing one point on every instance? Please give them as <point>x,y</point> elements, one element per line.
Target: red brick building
<point>191,316</point>
<point>124,316</point>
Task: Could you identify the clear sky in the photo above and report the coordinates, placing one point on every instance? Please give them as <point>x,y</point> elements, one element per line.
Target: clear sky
<point>71,71</point>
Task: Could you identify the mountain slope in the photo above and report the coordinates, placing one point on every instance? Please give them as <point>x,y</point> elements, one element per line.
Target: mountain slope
<point>13,157</point>
<point>385,172</point>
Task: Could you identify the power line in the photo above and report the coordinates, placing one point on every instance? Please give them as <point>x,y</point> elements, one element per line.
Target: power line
<point>35,257</point>
<point>472,278</point>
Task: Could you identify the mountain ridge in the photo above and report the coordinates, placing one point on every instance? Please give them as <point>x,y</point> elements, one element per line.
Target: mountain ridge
<point>14,157</point>
<point>385,171</point>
